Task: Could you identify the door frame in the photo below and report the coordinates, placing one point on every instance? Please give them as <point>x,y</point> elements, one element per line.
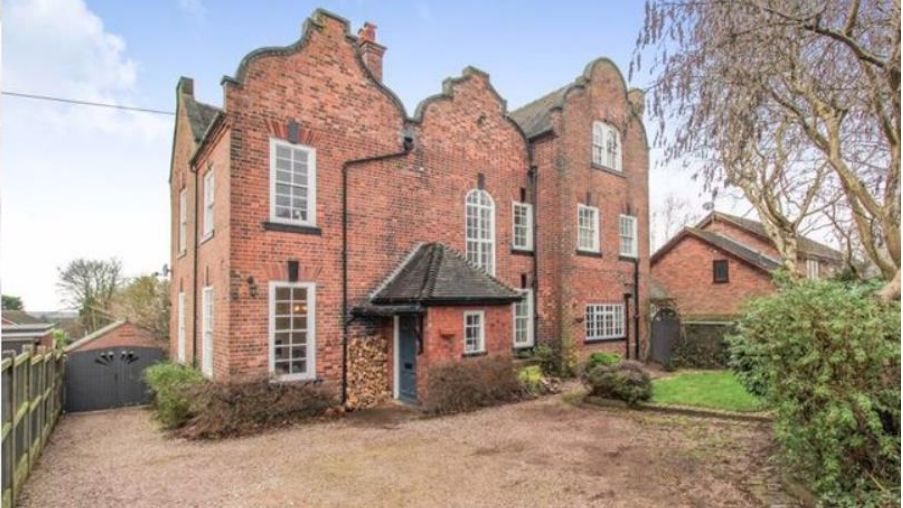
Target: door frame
<point>397,358</point>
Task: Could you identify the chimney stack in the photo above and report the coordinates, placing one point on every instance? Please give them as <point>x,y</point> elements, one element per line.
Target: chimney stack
<point>371,52</point>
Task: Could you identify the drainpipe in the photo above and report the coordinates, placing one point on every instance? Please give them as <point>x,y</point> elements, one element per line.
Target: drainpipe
<point>531,174</point>
<point>194,278</point>
<point>627,327</point>
<point>408,144</point>
<point>636,306</point>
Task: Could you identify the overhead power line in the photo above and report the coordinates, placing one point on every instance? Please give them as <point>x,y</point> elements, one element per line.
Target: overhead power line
<point>87,103</point>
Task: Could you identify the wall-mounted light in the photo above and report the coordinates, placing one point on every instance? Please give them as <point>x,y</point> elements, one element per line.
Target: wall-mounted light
<point>252,286</point>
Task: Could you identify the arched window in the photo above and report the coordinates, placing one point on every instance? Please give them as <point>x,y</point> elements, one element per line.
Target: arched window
<point>480,230</point>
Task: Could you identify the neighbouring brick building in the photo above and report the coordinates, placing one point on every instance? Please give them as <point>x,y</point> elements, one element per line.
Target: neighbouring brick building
<point>709,270</point>
<point>311,215</point>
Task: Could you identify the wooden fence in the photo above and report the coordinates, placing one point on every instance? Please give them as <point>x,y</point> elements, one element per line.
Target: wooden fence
<point>32,387</point>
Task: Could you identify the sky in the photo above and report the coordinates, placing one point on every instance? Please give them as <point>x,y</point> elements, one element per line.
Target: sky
<point>78,181</point>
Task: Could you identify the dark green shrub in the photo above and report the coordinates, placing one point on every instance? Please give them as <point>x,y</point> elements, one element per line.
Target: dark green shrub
<point>171,383</point>
<point>701,346</point>
<point>826,357</point>
<point>557,358</point>
<point>233,409</point>
<point>472,383</point>
<point>627,381</point>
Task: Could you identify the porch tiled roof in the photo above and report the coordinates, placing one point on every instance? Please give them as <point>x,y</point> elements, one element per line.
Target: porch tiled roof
<point>435,274</point>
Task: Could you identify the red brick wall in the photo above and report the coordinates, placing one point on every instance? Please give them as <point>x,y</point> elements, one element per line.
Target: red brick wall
<point>686,272</point>
<point>585,279</point>
<point>127,335</point>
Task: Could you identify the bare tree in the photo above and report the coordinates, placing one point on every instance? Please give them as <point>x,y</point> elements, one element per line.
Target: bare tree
<point>144,300</point>
<point>89,285</point>
<point>778,94</point>
<point>669,218</point>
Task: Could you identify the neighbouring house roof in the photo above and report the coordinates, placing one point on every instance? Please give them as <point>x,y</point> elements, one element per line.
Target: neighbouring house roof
<point>25,331</point>
<point>535,118</point>
<point>95,335</point>
<point>805,246</point>
<point>434,274</point>
<point>724,244</point>
<point>200,116</point>
<point>20,317</point>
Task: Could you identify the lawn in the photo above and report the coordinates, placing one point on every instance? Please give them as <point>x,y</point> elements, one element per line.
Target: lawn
<point>715,390</point>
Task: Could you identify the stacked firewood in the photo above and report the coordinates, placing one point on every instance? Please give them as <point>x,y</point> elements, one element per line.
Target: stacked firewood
<point>368,367</point>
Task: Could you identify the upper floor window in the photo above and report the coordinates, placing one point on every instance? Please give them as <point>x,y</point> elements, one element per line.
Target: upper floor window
<point>812,269</point>
<point>523,226</point>
<point>720,271</point>
<point>587,228</point>
<point>480,230</point>
<point>208,203</point>
<point>293,183</point>
<point>627,230</point>
<point>606,146</point>
<point>183,220</point>
<point>604,321</point>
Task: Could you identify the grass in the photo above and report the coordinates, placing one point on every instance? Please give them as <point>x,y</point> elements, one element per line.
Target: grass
<point>713,390</point>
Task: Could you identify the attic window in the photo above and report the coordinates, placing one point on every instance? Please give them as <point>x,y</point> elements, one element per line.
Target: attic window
<point>720,272</point>
<point>606,146</point>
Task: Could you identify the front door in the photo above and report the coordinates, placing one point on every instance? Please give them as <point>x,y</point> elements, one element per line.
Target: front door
<point>407,358</point>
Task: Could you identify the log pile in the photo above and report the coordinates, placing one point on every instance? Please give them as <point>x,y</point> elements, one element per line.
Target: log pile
<point>368,368</point>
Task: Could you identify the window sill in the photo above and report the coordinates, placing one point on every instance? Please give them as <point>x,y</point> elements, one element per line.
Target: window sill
<point>296,379</point>
<point>182,254</point>
<point>589,253</point>
<point>292,228</point>
<point>207,237</point>
<point>608,170</point>
<point>622,257</point>
<point>721,282</point>
<point>475,353</point>
<point>517,251</point>
<point>603,341</point>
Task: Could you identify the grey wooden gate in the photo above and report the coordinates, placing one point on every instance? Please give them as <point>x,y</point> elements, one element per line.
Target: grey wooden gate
<point>108,378</point>
<point>665,334</point>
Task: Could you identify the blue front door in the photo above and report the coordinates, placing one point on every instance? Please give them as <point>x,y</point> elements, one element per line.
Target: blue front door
<point>407,358</point>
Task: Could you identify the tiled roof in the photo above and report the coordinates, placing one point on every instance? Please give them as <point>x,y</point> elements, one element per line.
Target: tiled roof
<point>20,317</point>
<point>435,274</point>
<point>737,249</point>
<point>200,116</point>
<point>534,118</point>
<point>805,246</point>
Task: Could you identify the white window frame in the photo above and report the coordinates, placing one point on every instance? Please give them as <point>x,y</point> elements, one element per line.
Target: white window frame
<point>812,269</point>
<point>311,354</point>
<point>631,230</point>
<point>311,183</point>
<point>607,148</point>
<point>207,328</point>
<point>602,330</point>
<point>180,326</point>
<point>183,220</point>
<point>209,192</point>
<point>595,247</point>
<point>481,245</point>
<point>527,210</point>
<point>528,303</point>
<point>482,337</point>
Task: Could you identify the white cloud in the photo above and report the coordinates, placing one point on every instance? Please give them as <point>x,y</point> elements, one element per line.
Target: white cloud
<point>77,181</point>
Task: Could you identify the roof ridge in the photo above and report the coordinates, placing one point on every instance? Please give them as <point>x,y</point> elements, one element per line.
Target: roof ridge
<point>432,270</point>
<point>738,243</point>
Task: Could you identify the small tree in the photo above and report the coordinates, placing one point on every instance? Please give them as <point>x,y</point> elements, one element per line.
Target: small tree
<point>89,285</point>
<point>12,302</point>
<point>144,301</point>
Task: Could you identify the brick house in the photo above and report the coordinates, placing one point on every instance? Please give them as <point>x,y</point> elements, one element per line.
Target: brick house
<point>313,218</point>
<point>707,271</point>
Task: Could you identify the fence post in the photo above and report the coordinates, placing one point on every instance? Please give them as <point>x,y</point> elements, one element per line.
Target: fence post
<point>9,435</point>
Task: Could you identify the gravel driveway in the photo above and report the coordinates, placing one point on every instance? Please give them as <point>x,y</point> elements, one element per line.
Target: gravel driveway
<point>540,453</point>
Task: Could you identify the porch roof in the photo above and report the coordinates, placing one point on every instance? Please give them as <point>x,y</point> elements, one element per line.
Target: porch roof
<point>434,274</point>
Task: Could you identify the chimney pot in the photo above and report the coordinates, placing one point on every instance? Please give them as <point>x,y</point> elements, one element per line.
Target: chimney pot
<point>371,52</point>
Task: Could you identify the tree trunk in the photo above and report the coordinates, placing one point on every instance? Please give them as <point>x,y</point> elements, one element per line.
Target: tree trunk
<point>891,291</point>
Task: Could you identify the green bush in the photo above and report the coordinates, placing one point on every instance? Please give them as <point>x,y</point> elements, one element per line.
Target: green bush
<point>557,358</point>
<point>701,346</point>
<point>601,359</point>
<point>234,409</point>
<point>826,357</point>
<point>627,381</point>
<point>171,384</point>
<point>473,383</point>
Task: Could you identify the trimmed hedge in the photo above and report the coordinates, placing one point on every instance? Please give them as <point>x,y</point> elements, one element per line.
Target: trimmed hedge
<point>472,383</point>
<point>171,383</point>
<point>826,357</point>
<point>627,381</point>
<point>702,346</point>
